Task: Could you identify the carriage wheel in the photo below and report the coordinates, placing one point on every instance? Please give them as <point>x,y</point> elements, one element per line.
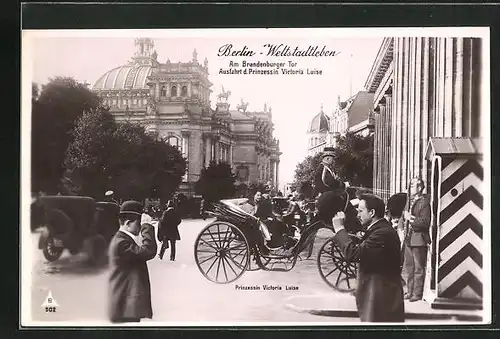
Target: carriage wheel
<point>221,252</point>
<point>334,269</point>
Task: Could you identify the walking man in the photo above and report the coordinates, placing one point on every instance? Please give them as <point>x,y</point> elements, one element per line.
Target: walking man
<point>417,239</point>
<point>379,292</point>
<point>129,286</point>
<point>168,230</point>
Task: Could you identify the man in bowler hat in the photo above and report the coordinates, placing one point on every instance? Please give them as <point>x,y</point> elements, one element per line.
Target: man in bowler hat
<point>379,293</point>
<point>129,285</point>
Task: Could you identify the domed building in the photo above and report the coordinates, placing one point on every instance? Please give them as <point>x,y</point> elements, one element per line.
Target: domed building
<point>172,101</point>
<point>317,132</point>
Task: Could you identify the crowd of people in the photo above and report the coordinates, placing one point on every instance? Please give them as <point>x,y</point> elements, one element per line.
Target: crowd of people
<point>391,253</point>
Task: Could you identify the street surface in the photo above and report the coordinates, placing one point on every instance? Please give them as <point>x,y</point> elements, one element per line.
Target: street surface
<point>180,292</point>
<point>181,295</point>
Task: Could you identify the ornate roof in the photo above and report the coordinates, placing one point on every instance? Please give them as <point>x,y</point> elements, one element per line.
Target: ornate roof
<point>124,77</point>
<point>320,123</point>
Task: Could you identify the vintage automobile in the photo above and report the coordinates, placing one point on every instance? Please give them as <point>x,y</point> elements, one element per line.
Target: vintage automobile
<point>237,242</point>
<point>72,221</point>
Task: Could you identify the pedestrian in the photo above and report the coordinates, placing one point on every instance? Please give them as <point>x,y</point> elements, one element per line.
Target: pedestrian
<point>379,291</point>
<point>129,285</point>
<point>202,209</point>
<point>417,239</point>
<point>109,196</point>
<point>395,208</point>
<point>168,232</point>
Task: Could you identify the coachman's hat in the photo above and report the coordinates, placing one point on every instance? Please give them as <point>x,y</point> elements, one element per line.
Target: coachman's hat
<point>328,151</point>
<point>131,207</point>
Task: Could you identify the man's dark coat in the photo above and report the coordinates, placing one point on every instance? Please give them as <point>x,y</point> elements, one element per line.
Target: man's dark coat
<point>129,286</point>
<point>379,292</point>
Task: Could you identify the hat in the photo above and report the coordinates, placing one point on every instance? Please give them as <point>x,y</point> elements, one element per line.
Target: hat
<point>328,151</point>
<point>131,207</point>
<point>108,193</point>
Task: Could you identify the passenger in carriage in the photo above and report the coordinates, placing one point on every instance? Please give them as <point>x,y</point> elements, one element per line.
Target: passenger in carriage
<point>294,210</point>
<point>263,208</point>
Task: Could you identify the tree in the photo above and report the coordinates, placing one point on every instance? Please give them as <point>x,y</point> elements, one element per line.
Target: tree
<point>54,111</point>
<point>304,175</point>
<point>353,160</point>
<point>216,182</point>
<point>122,157</point>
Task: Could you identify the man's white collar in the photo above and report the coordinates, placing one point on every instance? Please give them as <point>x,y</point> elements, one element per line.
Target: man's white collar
<point>129,234</point>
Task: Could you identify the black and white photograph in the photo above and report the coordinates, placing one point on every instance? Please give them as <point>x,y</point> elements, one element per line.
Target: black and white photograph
<point>255,177</point>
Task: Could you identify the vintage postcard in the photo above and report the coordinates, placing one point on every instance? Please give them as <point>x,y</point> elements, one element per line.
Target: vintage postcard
<point>182,177</point>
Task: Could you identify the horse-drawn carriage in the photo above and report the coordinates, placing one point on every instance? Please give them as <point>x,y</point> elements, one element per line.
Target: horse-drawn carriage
<point>72,221</point>
<point>237,242</point>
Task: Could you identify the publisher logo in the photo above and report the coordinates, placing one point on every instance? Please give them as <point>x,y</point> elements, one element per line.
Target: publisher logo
<point>50,304</point>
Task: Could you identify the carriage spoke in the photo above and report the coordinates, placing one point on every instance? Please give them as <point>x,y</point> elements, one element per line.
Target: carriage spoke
<point>218,233</point>
<point>338,277</point>
<point>218,268</point>
<point>336,268</point>
<point>240,264</point>
<point>206,251</point>
<point>231,267</point>
<point>224,267</point>
<point>210,245</point>
<point>207,259</point>
<point>215,242</point>
<point>211,265</point>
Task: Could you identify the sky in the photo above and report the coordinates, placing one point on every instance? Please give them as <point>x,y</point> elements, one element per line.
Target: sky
<point>295,99</point>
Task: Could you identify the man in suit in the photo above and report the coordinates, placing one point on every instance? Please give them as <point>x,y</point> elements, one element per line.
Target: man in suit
<point>169,230</point>
<point>417,239</point>
<point>129,285</point>
<point>379,292</point>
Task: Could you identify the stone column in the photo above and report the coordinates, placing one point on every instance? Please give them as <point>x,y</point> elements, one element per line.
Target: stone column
<point>185,143</point>
<point>189,89</point>
<point>231,154</point>
<point>157,89</point>
<point>208,150</point>
<point>387,174</point>
<point>277,174</point>
<point>376,153</point>
<point>217,150</point>
<point>168,89</point>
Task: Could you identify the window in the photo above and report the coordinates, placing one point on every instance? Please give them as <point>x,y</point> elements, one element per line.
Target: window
<point>175,141</point>
<point>163,91</point>
<point>184,91</point>
<point>173,92</point>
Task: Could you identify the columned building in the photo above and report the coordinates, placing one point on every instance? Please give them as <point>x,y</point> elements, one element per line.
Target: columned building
<point>422,87</point>
<point>172,101</point>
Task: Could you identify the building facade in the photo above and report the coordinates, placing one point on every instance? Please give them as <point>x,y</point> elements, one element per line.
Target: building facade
<point>423,88</point>
<point>353,115</point>
<point>172,101</point>
<point>318,133</point>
